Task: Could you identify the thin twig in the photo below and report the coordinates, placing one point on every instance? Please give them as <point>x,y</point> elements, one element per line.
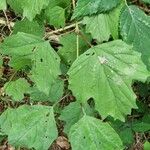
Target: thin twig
<point>11,78</point>
<point>145,9</point>
<point>76,29</point>
<point>85,39</point>
<point>61,30</point>
<point>61,99</point>
<point>7,21</point>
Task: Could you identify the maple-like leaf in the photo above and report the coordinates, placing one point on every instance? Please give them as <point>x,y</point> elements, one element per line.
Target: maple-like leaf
<point>105,73</point>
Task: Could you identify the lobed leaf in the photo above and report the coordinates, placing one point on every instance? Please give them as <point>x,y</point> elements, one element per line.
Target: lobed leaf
<point>135,30</point>
<point>103,25</point>
<point>29,50</point>
<point>29,126</point>
<point>75,114</point>
<point>92,134</point>
<point>90,7</point>
<point>105,73</point>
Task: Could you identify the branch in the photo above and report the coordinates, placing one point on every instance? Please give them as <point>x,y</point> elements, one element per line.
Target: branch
<point>3,21</point>
<point>76,29</point>
<point>48,34</point>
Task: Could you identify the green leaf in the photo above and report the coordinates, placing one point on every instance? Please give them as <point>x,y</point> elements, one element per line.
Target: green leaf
<point>15,5</point>
<point>146,1</point>
<point>104,25</point>
<point>30,27</point>
<point>124,130</point>
<point>45,67</point>
<point>108,68</point>
<point>16,89</point>
<point>52,13</point>
<point>20,44</point>
<point>29,8</point>
<point>61,3</point>
<point>21,48</point>
<point>146,145</point>
<point>92,134</point>
<point>72,113</point>
<point>89,7</point>
<point>143,125</point>
<point>3,5</point>
<point>29,126</point>
<point>135,30</point>
<point>55,94</point>
<point>69,46</point>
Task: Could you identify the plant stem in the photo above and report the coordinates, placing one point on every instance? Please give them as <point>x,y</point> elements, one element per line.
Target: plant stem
<point>61,100</point>
<point>7,22</point>
<point>85,39</point>
<point>61,29</point>
<point>76,29</point>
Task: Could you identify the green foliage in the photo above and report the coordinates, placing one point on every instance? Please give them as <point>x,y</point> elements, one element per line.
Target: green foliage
<point>55,93</point>
<point>61,3</point>
<point>85,75</point>
<point>35,53</point>
<point>142,125</point>
<point>16,89</point>
<point>68,49</point>
<point>3,5</point>
<point>52,13</point>
<point>88,7</point>
<point>76,111</point>
<point>29,8</point>
<point>103,25</point>
<point>146,145</point>
<point>86,132</point>
<point>146,1</point>
<point>112,68</point>
<point>30,27</point>
<point>29,126</point>
<point>135,30</point>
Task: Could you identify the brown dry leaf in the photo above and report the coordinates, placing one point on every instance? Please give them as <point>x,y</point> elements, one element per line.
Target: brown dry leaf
<point>63,142</point>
